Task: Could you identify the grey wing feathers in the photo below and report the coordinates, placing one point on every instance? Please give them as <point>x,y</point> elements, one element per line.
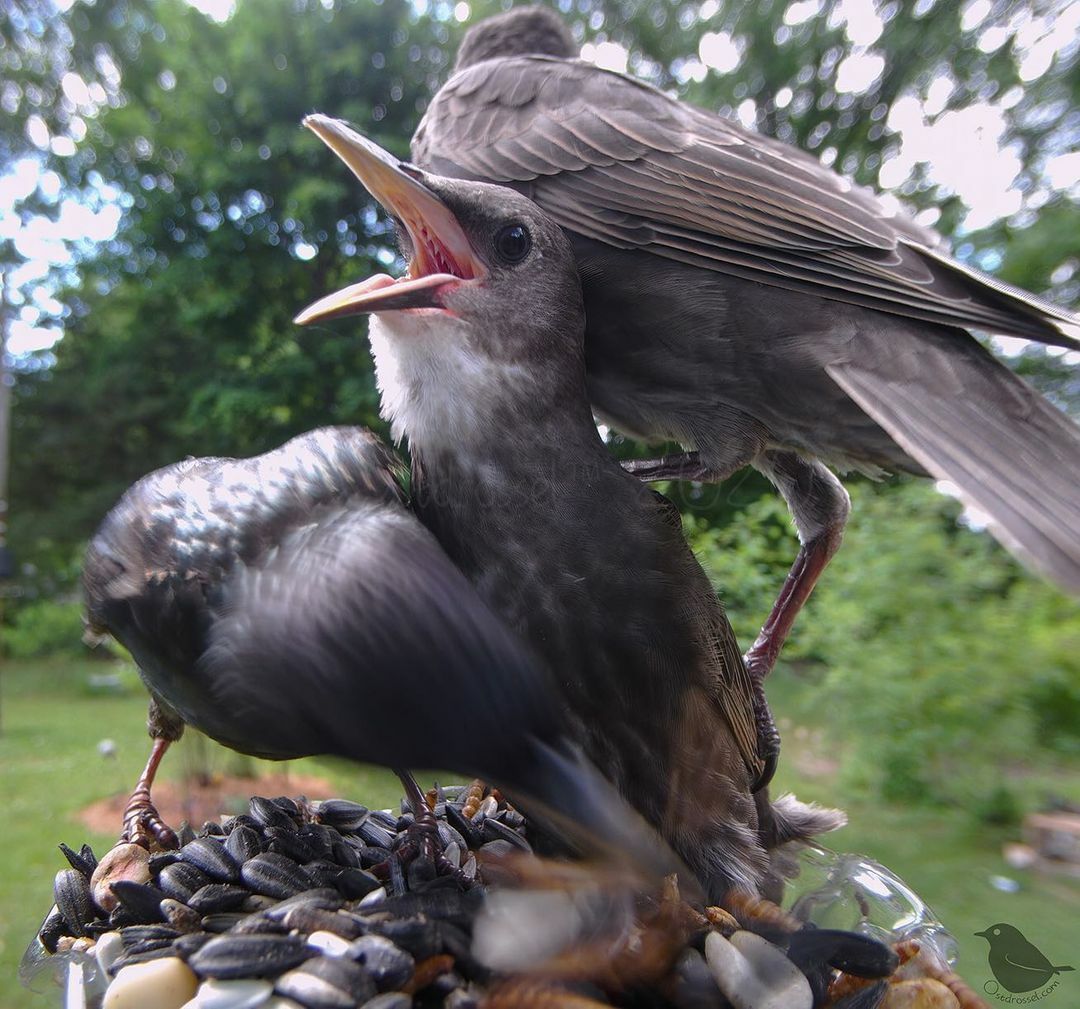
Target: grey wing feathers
<point>357,630</point>
<point>967,419</point>
<point>616,160</point>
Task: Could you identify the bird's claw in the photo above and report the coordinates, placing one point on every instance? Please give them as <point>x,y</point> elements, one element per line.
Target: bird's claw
<point>144,826</point>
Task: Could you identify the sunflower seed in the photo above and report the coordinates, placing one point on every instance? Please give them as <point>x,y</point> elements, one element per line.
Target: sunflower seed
<point>375,834</point>
<point>274,875</point>
<point>389,966</point>
<point>71,891</point>
<point>495,831</point>
<point>289,843</point>
<point>217,897</point>
<point>180,880</point>
<point>342,814</point>
<point>78,860</point>
<point>238,956</point>
<point>133,935</point>
<point>211,858</point>
<point>268,814</point>
<point>344,976</point>
<point>417,934</point>
<point>243,843</point>
<point>52,928</point>
<point>854,954</point>
<point>141,901</point>
<point>324,899</point>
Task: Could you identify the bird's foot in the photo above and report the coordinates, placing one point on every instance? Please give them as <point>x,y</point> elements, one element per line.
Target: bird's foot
<point>144,826</point>
<point>767,733</point>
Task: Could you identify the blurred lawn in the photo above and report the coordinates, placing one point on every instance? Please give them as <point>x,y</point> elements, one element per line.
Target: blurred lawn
<point>52,722</point>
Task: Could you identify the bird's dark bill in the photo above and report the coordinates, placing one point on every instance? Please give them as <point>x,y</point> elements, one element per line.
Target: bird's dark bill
<point>442,255</point>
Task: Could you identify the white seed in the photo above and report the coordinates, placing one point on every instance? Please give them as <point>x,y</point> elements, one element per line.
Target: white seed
<point>243,994</point>
<point>377,896</point>
<point>754,974</point>
<point>108,949</point>
<point>158,984</point>
<point>328,943</point>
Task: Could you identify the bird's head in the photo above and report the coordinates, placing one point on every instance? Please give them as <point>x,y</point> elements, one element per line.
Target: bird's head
<point>999,931</point>
<point>489,312</point>
<point>523,31</point>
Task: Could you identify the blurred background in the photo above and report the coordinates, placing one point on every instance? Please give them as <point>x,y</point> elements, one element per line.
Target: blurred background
<point>163,217</point>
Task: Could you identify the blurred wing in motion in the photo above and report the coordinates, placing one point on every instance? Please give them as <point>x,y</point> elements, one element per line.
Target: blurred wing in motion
<point>292,604</point>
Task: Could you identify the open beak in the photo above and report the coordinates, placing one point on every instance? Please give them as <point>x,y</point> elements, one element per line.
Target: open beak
<point>442,256</point>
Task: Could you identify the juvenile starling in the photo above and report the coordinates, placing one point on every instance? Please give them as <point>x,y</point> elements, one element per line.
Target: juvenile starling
<point>291,604</point>
<point>1017,964</point>
<point>479,361</point>
<point>748,302</point>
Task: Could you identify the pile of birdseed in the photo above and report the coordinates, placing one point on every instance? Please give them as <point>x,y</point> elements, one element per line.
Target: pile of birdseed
<point>330,905</point>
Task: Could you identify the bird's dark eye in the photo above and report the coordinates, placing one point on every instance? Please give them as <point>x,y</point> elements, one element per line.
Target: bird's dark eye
<point>512,243</point>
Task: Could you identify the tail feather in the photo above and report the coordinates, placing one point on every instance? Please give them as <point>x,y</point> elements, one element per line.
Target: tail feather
<point>966,418</point>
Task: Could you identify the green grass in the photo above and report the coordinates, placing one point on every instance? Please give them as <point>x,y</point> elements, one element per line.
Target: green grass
<point>52,722</point>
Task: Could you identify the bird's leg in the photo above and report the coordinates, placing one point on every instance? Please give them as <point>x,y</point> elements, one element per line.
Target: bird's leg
<point>424,825</point>
<point>681,466</point>
<point>423,841</point>
<point>142,822</point>
<point>820,506</point>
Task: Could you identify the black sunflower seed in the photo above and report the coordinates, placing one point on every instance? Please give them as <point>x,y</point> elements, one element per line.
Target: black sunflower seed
<point>275,875</point>
<point>496,831</point>
<point>223,921</point>
<point>469,834</point>
<point>239,956</point>
<point>216,897</point>
<point>417,935</point>
<point>243,843</point>
<point>325,899</point>
<point>268,814</point>
<point>133,935</point>
<point>342,814</point>
<point>847,951</point>
<point>375,834</point>
<point>52,928</point>
<point>160,859</point>
<point>140,900</point>
<point>305,918</point>
<point>185,945</point>
<point>389,965</point>
<point>77,860</point>
<point>212,858</point>
<point>289,843</point>
<point>180,880</point>
<point>344,974</point>
<point>71,891</point>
